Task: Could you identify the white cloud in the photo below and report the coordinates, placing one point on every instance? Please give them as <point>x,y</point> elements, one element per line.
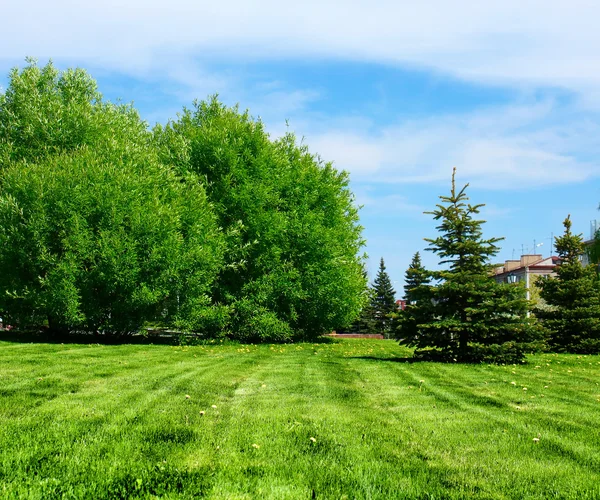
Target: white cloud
<point>499,148</point>
<point>533,43</point>
<point>390,204</point>
<point>541,42</point>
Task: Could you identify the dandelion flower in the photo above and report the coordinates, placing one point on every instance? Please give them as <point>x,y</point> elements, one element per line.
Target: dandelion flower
<point>187,396</point>
<point>202,413</point>
<point>524,388</point>
<point>536,440</point>
<point>421,381</point>
<point>254,445</point>
<point>214,406</point>
<point>314,440</point>
<point>513,383</point>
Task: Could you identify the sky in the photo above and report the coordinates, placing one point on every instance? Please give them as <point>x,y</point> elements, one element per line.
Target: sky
<point>395,92</point>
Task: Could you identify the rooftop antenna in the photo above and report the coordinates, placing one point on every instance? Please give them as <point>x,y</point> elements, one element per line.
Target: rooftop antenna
<point>551,243</point>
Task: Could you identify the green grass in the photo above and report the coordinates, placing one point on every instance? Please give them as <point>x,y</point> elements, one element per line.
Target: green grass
<point>91,421</point>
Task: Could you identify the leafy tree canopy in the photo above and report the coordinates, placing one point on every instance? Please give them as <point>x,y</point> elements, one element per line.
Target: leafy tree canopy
<point>96,234</point>
<point>45,111</point>
<point>293,255</point>
<point>252,236</point>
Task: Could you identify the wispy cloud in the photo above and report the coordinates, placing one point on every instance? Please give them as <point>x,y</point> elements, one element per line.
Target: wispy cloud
<point>536,42</point>
<point>516,147</point>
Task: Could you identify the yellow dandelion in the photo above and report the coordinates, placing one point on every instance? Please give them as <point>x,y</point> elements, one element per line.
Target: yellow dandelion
<point>536,440</point>
<point>214,406</point>
<point>202,413</point>
<point>254,445</point>
<point>187,396</point>
<point>513,383</point>
<point>314,440</point>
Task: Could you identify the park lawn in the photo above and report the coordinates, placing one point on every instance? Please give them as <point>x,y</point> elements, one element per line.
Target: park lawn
<point>348,419</point>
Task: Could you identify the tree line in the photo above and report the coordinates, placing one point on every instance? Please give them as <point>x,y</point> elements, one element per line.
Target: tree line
<point>460,312</point>
<point>205,224</point>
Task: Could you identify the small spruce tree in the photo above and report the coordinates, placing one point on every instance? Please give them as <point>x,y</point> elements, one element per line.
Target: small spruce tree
<point>417,295</point>
<point>416,276</point>
<point>573,319</point>
<point>383,300</point>
<point>471,316</point>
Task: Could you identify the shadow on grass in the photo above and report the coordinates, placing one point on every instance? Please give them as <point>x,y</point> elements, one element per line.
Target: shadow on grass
<point>152,338</point>
<point>392,359</point>
<point>44,337</point>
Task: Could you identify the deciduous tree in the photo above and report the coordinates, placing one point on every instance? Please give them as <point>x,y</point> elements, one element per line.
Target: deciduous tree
<point>293,264</point>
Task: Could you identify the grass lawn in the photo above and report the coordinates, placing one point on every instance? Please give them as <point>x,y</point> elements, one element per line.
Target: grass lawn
<point>349,419</point>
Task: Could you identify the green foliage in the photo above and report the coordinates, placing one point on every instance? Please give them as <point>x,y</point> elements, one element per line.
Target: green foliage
<point>593,250</point>
<point>417,294</point>
<point>383,301</point>
<point>45,111</point>
<point>469,316</point>
<point>293,239</point>
<point>115,226</point>
<point>415,277</point>
<point>573,319</point>
<point>96,242</point>
<point>96,234</point>
<point>365,322</point>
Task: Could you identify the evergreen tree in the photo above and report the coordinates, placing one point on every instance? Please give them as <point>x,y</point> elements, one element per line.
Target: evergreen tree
<point>416,276</point>
<point>417,295</point>
<point>383,300</point>
<point>573,320</point>
<point>471,316</point>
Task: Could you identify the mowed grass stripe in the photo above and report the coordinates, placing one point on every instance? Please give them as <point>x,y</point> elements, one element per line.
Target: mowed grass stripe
<point>493,430</point>
<point>114,422</point>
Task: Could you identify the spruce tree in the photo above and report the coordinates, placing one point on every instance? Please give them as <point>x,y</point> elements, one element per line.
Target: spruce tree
<point>417,296</point>
<point>573,319</point>
<point>416,276</point>
<point>383,300</point>
<point>471,316</point>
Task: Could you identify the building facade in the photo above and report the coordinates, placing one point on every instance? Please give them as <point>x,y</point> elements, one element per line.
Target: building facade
<point>529,269</point>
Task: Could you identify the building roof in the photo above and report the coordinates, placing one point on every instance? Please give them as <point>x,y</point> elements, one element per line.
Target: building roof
<point>530,262</point>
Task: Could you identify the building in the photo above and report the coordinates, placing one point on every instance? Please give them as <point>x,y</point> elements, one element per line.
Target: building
<point>591,255</point>
<point>529,268</point>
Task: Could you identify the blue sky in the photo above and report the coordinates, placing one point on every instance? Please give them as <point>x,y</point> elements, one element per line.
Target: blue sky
<point>395,93</point>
